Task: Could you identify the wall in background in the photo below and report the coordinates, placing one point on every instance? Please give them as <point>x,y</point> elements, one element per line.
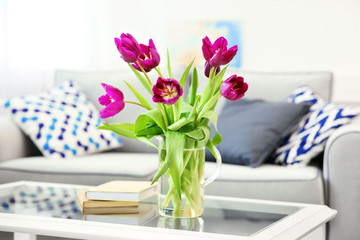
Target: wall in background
<point>39,36</point>
<point>278,35</point>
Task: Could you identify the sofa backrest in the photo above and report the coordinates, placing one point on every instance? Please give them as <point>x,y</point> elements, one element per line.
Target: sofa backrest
<point>277,86</point>
<point>281,84</point>
<point>271,86</point>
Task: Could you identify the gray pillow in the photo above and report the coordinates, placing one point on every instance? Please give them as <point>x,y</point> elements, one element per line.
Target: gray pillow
<point>253,129</point>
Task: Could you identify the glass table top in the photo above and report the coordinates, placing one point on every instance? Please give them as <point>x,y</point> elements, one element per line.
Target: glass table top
<point>221,215</point>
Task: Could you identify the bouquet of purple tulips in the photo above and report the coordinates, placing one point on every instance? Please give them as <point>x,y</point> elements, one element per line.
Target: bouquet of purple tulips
<point>182,123</point>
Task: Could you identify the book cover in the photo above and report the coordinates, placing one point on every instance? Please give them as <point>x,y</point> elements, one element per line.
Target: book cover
<point>147,213</point>
<point>88,206</point>
<point>123,190</point>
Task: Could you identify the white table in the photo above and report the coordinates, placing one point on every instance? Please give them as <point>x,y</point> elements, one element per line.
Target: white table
<point>34,208</point>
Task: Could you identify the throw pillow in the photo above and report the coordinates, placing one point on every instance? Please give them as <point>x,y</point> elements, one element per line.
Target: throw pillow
<point>252,129</point>
<point>310,136</point>
<point>61,122</point>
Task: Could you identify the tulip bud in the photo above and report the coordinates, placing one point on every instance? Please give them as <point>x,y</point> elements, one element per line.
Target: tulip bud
<point>128,47</point>
<point>113,100</point>
<point>233,88</point>
<point>217,54</point>
<point>149,57</point>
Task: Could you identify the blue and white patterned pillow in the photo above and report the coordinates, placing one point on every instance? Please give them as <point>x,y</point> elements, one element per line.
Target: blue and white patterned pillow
<point>61,122</point>
<point>309,138</point>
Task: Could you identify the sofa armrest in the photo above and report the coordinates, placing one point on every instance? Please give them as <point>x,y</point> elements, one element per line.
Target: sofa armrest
<point>13,142</point>
<point>342,180</point>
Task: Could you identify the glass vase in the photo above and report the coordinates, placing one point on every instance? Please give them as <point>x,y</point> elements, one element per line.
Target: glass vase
<point>193,182</point>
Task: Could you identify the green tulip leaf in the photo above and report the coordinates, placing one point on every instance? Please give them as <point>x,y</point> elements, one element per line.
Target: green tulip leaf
<point>123,129</point>
<point>206,95</point>
<point>175,142</point>
<point>206,130</point>
<point>187,128</point>
<point>192,115</point>
<point>142,79</point>
<point>147,142</point>
<point>213,150</point>
<point>218,78</point>
<point>212,86</point>
<point>164,167</point>
<point>126,130</point>
<point>168,64</point>
<point>191,97</point>
<point>185,107</point>
<point>197,134</point>
<point>141,99</point>
<point>149,118</point>
<point>179,124</point>
<point>213,117</point>
<point>169,113</point>
<point>210,104</point>
<point>150,131</point>
<point>185,74</point>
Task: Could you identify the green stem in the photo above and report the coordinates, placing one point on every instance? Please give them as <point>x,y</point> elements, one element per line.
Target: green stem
<point>147,77</point>
<point>176,114</point>
<point>214,85</point>
<point>177,206</point>
<point>191,181</point>
<point>162,109</point>
<point>169,195</point>
<point>195,197</point>
<point>187,157</point>
<point>135,103</point>
<point>209,89</point>
<point>159,72</point>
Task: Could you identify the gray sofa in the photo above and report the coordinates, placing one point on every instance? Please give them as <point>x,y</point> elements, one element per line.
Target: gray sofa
<point>334,181</point>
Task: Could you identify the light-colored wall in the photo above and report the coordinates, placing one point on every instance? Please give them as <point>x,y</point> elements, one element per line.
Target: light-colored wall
<point>278,35</point>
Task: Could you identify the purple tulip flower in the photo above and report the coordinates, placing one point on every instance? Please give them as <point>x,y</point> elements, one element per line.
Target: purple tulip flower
<point>208,68</point>
<point>128,47</point>
<point>149,57</point>
<point>217,54</point>
<point>166,91</point>
<point>233,88</point>
<point>113,100</point>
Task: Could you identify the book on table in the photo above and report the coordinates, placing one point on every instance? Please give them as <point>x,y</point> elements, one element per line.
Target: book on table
<point>147,212</point>
<point>88,206</point>
<point>122,190</point>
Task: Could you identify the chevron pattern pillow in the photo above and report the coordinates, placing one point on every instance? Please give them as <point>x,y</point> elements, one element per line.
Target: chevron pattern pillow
<point>309,138</point>
<point>61,122</point>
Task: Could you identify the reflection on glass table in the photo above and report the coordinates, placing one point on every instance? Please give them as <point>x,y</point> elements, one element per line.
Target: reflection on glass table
<point>34,208</point>
<point>220,216</point>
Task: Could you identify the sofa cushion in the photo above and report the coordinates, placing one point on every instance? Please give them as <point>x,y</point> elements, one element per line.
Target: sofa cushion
<point>261,82</point>
<point>88,170</point>
<point>61,122</point>
<point>252,129</point>
<point>268,181</point>
<point>309,138</point>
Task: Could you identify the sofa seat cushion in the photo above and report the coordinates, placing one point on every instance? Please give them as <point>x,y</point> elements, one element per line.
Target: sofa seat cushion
<point>89,170</point>
<point>268,181</point>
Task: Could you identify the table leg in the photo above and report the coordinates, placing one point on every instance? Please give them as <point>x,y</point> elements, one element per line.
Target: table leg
<point>24,236</point>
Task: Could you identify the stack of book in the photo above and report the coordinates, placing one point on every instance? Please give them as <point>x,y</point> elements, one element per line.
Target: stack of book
<point>118,201</point>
